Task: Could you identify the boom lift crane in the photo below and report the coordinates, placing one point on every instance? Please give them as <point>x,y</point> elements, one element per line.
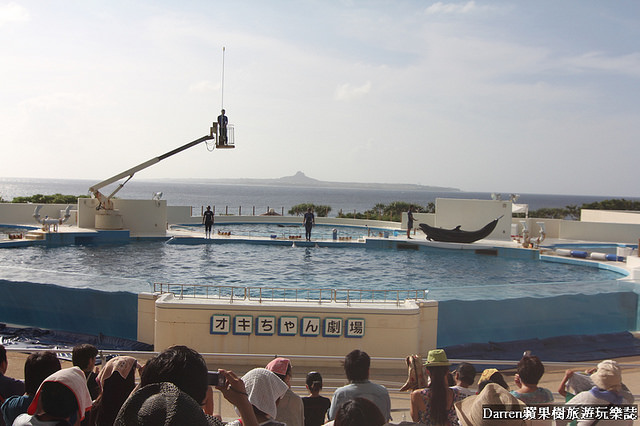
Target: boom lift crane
<point>109,218</point>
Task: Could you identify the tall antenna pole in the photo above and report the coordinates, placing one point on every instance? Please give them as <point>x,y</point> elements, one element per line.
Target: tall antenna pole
<point>222,89</point>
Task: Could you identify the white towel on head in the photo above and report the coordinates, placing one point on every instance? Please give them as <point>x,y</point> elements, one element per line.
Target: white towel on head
<point>264,389</point>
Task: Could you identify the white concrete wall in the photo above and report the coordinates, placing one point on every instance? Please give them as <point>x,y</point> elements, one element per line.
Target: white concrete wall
<point>390,331</point>
<point>551,226</point>
<point>141,217</point>
<point>146,316</point>
<point>601,232</point>
<point>610,216</point>
<point>473,215</point>
<point>22,213</point>
<point>633,264</point>
<point>182,215</point>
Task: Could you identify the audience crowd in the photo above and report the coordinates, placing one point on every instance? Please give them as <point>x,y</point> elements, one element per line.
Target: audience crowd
<point>176,388</point>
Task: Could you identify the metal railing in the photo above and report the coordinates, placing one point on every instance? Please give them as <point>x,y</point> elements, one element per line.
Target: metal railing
<point>267,294</point>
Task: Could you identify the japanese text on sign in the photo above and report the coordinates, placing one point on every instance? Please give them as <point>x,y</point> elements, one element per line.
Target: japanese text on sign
<point>265,325</point>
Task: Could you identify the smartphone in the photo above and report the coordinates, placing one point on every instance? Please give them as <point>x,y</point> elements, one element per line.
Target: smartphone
<point>215,379</point>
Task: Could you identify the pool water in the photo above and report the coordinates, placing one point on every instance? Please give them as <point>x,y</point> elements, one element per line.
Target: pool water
<point>447,274</point>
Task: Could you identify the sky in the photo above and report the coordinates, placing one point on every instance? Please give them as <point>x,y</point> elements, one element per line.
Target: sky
<point>498,96</point>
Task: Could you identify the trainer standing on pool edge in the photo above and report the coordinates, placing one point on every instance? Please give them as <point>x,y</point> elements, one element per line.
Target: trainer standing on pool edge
<point>409,221</point>
<point>207,219</point>
<point>309,220</point>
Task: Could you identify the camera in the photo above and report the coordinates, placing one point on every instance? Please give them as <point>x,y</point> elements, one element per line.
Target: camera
<point>214,378</point>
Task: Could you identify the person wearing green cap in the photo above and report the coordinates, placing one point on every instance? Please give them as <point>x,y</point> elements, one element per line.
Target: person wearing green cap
<point>433,405</point>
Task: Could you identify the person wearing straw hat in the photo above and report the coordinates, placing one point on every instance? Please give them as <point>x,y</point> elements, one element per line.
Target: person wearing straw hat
<point>471,409</point>
<point>433,405</point>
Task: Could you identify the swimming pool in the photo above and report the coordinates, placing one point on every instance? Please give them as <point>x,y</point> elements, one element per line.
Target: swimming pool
<point>447,274</point>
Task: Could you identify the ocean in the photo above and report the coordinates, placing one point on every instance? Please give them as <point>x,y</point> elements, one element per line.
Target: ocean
<point>232,198</point>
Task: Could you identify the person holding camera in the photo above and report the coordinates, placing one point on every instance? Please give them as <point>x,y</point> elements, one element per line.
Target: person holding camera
<point>173,388</point>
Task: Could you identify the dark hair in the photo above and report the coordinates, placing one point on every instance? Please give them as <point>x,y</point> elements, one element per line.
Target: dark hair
<point>449,379</point>
<point>530,369</point>
<point>438,395</point>
<point>181,366</point>
<point>83,354</point>
<point>115,391</point>
<point>314,381</point>
<point>58,400</point>
<point>359,412</point>
<point>3,354</point>
<point>466,373</point>
<point>37,367</point>
<point>356,365</point>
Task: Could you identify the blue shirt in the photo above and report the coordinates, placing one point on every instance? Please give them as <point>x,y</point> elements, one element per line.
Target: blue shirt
<point>540,396</point>
<point>14,406</point>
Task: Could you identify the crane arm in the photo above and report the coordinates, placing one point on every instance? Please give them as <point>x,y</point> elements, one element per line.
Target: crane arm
<point>105,201</point>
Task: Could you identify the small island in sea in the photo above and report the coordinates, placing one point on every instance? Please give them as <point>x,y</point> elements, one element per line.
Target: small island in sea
<point>302,180</point>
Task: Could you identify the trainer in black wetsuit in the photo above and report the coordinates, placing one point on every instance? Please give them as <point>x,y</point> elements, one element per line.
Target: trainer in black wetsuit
<point>207,219</point>
<point>309,220</point>
<point>222,128</point>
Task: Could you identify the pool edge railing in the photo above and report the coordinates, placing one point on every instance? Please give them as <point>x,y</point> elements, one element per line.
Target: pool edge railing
<point>270,294</point>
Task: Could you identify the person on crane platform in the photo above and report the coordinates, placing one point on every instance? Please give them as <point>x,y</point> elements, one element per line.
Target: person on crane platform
<point>222,127</point>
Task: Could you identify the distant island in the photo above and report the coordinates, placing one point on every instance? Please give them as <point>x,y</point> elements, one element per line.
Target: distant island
<point>300,179</point>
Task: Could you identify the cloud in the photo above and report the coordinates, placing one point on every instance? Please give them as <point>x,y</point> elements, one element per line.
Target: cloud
<point>451,8</point>
<point>13,12</point>
<point>347,92</point>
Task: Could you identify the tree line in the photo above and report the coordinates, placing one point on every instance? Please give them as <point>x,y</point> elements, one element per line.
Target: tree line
<point>391,212</point>
<point>46,199</point>
<point>573,211</point>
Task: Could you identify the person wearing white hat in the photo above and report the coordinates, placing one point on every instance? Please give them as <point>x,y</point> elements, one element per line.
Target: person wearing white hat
<point>264,389</point>
<point>607,391</point>
<point>290,407</point>
<point>62,396</point>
